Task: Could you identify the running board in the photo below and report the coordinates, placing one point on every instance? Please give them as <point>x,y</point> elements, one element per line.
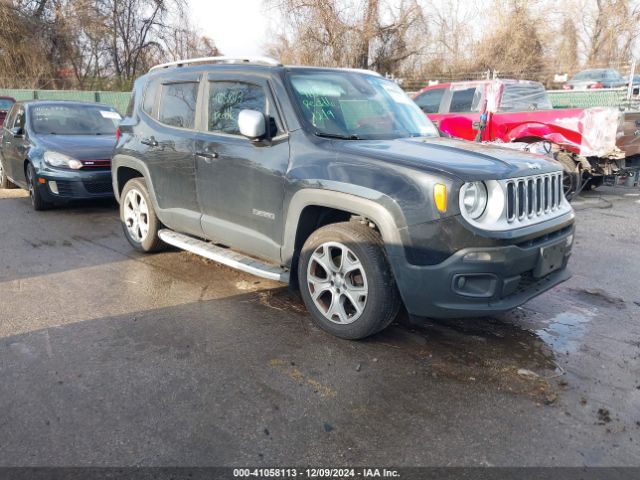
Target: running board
<point>224,256</point>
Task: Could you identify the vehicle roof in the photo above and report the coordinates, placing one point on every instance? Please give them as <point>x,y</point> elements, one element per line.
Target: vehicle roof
<point>6,97</point>
<point>253,67</point>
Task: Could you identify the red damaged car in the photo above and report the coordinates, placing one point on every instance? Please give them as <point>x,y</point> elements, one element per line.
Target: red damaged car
<point>583,140</point>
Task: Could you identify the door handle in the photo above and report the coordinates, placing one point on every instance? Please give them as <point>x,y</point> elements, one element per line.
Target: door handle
<point>151,141</point>
<point>207,156</point>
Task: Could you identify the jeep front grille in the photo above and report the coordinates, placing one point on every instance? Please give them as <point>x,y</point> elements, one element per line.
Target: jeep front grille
<point>533,196</point>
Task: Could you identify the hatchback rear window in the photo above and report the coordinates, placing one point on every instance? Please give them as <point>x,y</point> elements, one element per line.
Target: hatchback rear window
<point>178,104</point>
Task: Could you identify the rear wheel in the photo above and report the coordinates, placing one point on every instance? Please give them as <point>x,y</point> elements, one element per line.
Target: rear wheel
<point>4,180</point>
<point>139,220</point>
<point>37,200</point>
<point>346,282</point>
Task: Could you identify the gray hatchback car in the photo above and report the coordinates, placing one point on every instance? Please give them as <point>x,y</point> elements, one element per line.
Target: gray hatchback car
<point>334,181</point>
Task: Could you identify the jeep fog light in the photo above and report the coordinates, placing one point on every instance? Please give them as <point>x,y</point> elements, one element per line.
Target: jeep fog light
<point>477,257</point>
<point>569,240</point>
<point>53,186</point>
<point>474,199</point>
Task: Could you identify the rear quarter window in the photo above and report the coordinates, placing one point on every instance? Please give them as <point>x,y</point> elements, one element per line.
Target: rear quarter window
<point>466,100</point>
<point>149,97</point>
<point>178,104</point>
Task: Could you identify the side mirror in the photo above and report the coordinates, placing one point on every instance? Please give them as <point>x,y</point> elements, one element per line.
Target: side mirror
<point>252,124</point>
<point>17,132</point>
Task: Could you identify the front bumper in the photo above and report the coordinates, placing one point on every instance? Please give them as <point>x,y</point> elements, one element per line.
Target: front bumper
<point>63,186</point>
<point>464,286</point>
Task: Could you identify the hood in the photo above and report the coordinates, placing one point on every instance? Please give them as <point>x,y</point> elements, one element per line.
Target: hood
<point>466,160</point>
<point>82,147</point>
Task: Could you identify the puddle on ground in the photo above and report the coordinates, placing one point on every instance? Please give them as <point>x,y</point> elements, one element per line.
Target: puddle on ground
<point>564,330</point>
<point>515,352</point>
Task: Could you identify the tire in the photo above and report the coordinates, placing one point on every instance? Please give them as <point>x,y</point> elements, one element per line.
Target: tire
<point>365,279</point>
<point>139,220</point>
<point>4,180</point>
<point>37,200</point>
<point>571,178</point>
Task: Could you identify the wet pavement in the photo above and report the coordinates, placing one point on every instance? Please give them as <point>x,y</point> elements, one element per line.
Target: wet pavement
<point>109,357</point>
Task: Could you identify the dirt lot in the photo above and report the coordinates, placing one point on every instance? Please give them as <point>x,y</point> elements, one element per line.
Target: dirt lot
<point>108,357</point>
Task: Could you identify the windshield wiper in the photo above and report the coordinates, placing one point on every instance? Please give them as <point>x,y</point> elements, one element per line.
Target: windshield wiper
<point>337,135</point>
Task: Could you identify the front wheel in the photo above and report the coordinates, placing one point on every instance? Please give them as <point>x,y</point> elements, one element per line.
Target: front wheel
<point>346,282</point>
<point>139,220</point>
<point>37,200</point>
<point>571,176</point>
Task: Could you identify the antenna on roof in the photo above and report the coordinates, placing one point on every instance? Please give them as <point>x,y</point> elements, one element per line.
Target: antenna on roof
<point>222,59</point>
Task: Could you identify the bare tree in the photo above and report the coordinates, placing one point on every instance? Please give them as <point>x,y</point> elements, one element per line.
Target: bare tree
<point>348,33</point>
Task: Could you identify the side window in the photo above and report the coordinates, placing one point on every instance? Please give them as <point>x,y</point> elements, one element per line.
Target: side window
<point>150,93</point>
<point>178,104</point>
<point>227,99</point>
<point>467,100</point>
<point>429,101</point>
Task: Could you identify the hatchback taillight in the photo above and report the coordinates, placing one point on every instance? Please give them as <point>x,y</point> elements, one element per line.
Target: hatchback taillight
<point>118,134</point>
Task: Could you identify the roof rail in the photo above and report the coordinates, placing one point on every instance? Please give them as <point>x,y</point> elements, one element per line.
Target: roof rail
<point>252,60</point>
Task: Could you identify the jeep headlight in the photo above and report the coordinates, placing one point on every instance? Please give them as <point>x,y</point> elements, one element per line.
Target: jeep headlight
<point>57,159</point>
<point>474,199</point>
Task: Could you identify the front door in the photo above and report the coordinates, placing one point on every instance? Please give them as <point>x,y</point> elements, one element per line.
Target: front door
<point>240,182</point>
<point>460,113</point>
<point>14,148</point>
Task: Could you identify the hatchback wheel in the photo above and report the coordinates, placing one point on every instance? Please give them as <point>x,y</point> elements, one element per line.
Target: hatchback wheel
<point>37,200</point>
<point>139,220</point>
<point>346,282</point>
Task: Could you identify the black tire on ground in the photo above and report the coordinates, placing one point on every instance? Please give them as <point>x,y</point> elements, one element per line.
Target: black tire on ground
<point>150,242</point>
<point>382,298</point>
<point>4,180</point>
<point>37,200</point>
<point>571,178</point>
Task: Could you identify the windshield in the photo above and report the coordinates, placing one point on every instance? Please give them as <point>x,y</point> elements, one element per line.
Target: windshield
<point>5,104</point>
<point>518,97</point>
<point>355,105</point>
<point>74,119</point>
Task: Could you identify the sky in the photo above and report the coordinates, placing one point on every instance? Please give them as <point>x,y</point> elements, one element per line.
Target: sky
<point>238,27</point>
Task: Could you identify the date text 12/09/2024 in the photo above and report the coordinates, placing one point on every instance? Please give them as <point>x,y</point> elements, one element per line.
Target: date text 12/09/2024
<point>315,473</point>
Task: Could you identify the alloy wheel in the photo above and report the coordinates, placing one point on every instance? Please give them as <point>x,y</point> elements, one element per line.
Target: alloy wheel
<point>337,282</point>
<point>136,215</point>
<point>30,185</point>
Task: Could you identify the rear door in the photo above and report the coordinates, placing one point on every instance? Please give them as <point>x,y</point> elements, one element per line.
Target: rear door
<point>241,182</point>
<point>167,144</point>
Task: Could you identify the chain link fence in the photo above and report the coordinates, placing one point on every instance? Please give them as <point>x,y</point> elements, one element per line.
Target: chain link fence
<point>118,100</point>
